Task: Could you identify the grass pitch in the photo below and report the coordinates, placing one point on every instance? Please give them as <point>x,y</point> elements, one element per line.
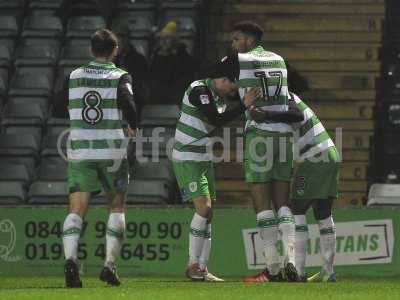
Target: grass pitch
<point>176,288</point>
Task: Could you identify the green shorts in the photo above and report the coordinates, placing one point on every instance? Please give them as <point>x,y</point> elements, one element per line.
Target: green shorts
<point>317,180</point>
<point>268,156</point>
<point>92,176</point>
<point>195,179</point>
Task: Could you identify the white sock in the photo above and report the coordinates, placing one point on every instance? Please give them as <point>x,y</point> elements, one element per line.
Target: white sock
<point>266,223</point>
<point>327,233</point>
<point>301,243</point>
<point>287,228</point>
<point>114,237</point>
<point>197,233</point>
<point>71,233</point>
<point>205,252</point>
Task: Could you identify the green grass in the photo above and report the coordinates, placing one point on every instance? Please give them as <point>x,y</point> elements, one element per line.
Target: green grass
<point>156,288</point>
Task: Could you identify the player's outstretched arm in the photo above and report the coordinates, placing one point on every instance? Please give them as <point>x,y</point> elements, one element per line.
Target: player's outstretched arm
<point>292,115</point>
<point>203,99</point>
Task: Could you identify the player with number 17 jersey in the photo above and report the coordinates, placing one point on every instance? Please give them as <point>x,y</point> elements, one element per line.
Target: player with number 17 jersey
<point>268,154</point>
<point>266,70</point>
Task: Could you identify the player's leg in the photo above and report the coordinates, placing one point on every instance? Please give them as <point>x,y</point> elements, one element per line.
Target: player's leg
<point>203,208</point>
<point>281,175</point>
<point>258,165</point>
<point>205,253</point>
<point>200,238</point>
<point>320,180</point>
<point>114,238</point>
<point>268,229</point>
<point>323,215</point>
<point>82,182</point>
<point>301,202</point>
<point>267,224</point>
<point>115,183</point>
<point>206,250</point>
<point>286,226</point>
<point>78,204</point>
<point>327,192</point>
<point>194,187</point>
<point>299,208</point>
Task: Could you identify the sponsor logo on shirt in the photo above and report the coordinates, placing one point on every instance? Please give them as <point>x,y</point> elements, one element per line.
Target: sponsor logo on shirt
<point>300,185</point>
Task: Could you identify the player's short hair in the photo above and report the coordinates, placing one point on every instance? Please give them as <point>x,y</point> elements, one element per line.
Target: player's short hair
<point>225,68</point>
<point>250,28</point>
<point>103,43</point>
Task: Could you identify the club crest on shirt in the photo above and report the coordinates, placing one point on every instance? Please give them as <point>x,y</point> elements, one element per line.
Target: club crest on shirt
<point>204,99</point>
<point>193,187</point>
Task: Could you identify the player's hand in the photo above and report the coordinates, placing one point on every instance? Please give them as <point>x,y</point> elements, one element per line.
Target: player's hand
<point>132,132</point>
<point>251,95</point>
<point>258,115</point>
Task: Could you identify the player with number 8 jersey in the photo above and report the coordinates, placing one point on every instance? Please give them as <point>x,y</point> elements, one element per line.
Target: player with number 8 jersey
<point>99,96</point>
<point>94,113</point>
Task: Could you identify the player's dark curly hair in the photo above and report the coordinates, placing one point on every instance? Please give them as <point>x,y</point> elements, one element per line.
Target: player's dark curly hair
<point>250,28</point>
<point>103,43</point>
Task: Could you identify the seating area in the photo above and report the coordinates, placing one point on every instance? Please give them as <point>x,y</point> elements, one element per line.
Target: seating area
<point>37,51</point>
<point>387,147</point>
<point>386,163</point>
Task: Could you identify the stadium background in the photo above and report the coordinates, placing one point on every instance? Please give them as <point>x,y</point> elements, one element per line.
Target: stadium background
<point>345,49</point>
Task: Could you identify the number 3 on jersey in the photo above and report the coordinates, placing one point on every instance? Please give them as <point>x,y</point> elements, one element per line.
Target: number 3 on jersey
<point>264,82</point>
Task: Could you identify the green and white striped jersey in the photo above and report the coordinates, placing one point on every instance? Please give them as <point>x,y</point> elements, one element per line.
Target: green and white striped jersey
<point>96,121</point>
<point>310,136</point>
<point>267,70</point>
<point>192,135</point>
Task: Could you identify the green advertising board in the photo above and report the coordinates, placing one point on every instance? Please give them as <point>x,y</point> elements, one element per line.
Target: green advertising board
<point>156,242</point>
